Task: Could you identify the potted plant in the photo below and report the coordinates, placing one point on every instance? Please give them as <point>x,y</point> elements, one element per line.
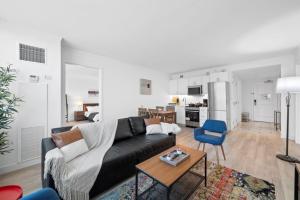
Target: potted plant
<point>8,104</point>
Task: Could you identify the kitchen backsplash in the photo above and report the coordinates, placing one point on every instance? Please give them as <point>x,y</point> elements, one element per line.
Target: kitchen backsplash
<point>186,99</point>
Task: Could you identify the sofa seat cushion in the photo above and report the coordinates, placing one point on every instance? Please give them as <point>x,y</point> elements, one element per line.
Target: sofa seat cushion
<point>137,149</point>
<point>153,144</point>
<point>121,152</point>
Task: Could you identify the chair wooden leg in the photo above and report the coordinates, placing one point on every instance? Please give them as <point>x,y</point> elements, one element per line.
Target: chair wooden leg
<point>203,146</point>
<point>218,161</point>
<point>223,152</point>
<point>199,145</point>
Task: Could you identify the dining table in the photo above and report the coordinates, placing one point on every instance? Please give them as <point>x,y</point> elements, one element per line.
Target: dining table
<point>167,116</point>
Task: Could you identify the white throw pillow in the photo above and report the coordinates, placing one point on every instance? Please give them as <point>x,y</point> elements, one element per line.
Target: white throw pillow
<point>169,128</point>
<point>153,128</point>
<point>90,132</point>
<point>92,109</point>
<point>87,113</point>
<point>74,149</point>
<point>96,118</point>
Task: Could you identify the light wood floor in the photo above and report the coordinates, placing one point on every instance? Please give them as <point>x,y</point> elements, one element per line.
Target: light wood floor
<point>249,148</point>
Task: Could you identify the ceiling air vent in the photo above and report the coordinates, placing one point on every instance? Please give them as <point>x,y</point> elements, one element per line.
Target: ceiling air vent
<point>31,53</point>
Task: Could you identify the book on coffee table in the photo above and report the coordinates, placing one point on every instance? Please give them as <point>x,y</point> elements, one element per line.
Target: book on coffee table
<point>175,157</point>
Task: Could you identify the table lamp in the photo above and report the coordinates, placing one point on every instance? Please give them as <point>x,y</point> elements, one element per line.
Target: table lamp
<point>79,105</point>
<point>287,86</point>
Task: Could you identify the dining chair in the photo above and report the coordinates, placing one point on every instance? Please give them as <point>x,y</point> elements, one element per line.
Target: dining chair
<point>153,113</point>
<point>170,118</point>
<point>142,112</point>
<point>212,132</point>
<point>170,108</point>
<point>160,108</point>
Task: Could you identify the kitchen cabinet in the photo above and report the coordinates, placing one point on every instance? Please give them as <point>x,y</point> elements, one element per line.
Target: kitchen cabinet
<point>205,81</point>
<point>219,77</point>
<point>182,88</point>
<point>200,80</point>
<point>194,81</point>
<point>178,86</point>
<point>173,86</point>
<point>180,114</point>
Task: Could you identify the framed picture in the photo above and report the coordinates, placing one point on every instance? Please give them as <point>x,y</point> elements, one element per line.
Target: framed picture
<point>145,87</point>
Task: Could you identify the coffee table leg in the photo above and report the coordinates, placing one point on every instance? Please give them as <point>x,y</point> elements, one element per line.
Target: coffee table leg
<point>205,170</point>
<point>136,184</point>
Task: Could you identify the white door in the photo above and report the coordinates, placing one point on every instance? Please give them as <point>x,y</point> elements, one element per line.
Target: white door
<point>32,120</point>
<point>264,101</point>
<point>180,115</point>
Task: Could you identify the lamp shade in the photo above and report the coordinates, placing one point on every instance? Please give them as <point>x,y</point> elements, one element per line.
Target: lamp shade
<point>288,85</point>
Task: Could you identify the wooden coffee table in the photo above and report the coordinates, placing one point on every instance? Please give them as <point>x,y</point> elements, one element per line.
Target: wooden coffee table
<point>168,175</point>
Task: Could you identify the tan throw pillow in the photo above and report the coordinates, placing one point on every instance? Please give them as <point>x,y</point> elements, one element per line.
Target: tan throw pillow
<point>65,138</point>
<point>71,143</point>
<point>152,121</point>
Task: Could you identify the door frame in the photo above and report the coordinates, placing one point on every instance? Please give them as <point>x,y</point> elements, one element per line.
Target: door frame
<point>63,90</point>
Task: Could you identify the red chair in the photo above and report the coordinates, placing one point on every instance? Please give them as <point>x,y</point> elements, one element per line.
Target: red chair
<point>11,192</point>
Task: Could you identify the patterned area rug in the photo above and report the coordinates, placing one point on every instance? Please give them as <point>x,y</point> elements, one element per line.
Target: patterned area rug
<point>223,183</point>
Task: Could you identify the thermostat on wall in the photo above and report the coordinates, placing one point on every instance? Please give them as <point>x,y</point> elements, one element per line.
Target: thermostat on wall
<point>34,78</point>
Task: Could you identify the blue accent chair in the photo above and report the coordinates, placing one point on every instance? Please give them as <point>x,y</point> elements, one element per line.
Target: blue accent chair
<point>219,130</point>
<point>42,194</point>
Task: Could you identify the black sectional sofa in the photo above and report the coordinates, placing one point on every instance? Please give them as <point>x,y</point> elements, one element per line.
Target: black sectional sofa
<point>131,146</point>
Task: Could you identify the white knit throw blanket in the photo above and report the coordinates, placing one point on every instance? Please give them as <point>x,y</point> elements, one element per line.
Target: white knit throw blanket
<point>74,179</point>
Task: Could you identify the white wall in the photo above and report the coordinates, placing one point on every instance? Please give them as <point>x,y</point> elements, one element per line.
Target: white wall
<point>49,74</point>
<point>247,98</point>
<point>288,68</point>
<point>235,101</point>
<point>80,80</point>
<point>297,63</point>
<point>120,83</point>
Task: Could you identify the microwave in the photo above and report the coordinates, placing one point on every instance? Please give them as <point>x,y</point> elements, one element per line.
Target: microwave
<point>195,90</point>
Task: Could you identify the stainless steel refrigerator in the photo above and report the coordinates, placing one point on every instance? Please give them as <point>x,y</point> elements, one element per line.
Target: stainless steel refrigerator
<point>218,101</point>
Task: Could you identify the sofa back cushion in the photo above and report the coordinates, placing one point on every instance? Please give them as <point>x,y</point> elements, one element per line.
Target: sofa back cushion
<point>137,125</point>
<point>61,129</point>
<point>123,130</point>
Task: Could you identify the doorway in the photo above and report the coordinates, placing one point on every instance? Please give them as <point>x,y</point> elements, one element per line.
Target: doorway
<point>264,100</point>
<point>82,98</point>
<point>258,91</point>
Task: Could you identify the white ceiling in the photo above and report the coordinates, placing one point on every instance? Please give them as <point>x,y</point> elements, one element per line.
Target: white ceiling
<point>169,35</point>
<point>261,73</point>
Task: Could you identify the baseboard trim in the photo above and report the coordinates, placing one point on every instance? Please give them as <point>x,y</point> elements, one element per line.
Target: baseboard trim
<point>17,166</point>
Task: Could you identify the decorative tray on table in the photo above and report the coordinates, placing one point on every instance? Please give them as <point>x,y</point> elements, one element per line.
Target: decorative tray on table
<point>175,157</point>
